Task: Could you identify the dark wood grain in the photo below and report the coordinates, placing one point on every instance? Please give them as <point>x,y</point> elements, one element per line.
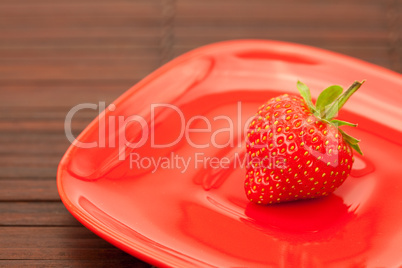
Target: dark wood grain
<point>70,70</point>
<point>30,188</point>
<point>55,54</point>
<point>369,31</point>
<point>342,13</point>
<point>59,243</point>
<point>57,95</point>
<point>53,239</point>
<point>34,144</point>
<point>35,214</point>
<point>115,261</point>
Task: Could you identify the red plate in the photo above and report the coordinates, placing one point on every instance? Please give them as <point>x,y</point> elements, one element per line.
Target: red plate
<point>191,209</point>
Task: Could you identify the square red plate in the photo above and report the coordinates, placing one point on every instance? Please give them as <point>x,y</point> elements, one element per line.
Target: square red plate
<point>189,209</point>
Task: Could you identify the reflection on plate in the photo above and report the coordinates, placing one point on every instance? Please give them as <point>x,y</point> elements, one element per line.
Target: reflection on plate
<point>159,174</point>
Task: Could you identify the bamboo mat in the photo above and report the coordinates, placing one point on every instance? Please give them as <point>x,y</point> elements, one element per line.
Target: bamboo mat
<point>55,54</point>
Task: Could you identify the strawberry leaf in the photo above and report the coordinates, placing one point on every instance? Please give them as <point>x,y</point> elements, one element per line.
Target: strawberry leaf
<point>349,138</point>
<point>338,123</point>
<point>356,147</point>
<point>353,142</point>
<point>341,100</point>
<point>305,93</point>
<point>327,97</point>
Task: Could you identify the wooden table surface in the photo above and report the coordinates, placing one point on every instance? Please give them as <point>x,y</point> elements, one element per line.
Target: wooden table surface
<point>55,54</point>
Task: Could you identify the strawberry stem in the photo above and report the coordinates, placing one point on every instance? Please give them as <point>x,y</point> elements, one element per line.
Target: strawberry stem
<point>341,100</point>
<point>342,123</point>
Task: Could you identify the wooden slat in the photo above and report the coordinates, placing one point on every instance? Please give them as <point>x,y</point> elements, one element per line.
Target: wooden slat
<point>27,165</point>
<point>86,250</point>
<point>127,41</point>
<point>83,2</point>
<point>56,243</point>
<point>14,167</point>
<point>59,94</point>
<point>17,161</point>
<point>144,53</point>
<point>287,2</point>
<point>17,188</point>
<point>56,237</point>
<point>38,145</point>
<point>114,261</point>
<point>191,35</point>
<point>35,213</point>
<point>45,126</point>
<point>46,121</point>
<point>43,150</point>
<point>66,9</point>
<point>30,132</point>
<point>18,172</point>
<point>44,33</point>
<point>66,69</point>
<point>46,113</point>
<point>283,12</point>
<point>368,36</point>
<point>69,24</point>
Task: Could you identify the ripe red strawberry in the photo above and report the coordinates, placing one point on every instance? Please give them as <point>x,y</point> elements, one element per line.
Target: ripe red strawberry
<point>295,148</point>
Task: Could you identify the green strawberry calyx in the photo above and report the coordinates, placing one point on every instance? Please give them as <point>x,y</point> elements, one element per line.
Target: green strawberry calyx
<point>328,104</point>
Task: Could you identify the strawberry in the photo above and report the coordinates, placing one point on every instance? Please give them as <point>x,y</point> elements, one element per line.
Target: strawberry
<point>296,149</point>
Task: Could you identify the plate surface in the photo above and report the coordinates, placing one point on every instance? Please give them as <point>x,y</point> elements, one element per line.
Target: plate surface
<point>190,209</point>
